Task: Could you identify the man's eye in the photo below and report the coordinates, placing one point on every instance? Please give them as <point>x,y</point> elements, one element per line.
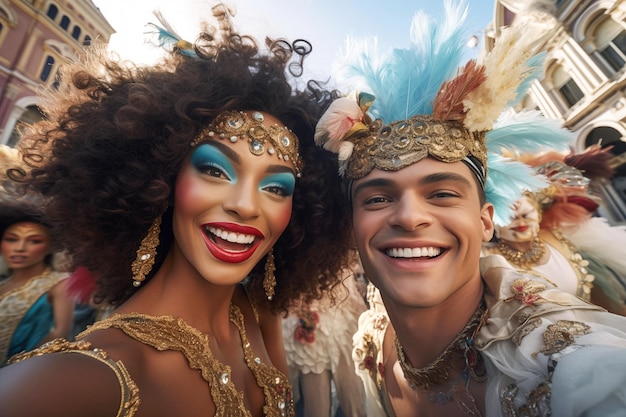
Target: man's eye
<point>444,194</point>
<point>376,200</point>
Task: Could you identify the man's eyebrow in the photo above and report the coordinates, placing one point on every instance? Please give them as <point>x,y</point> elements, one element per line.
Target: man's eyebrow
<point>428,179</point>
<point>375,182</point>
<point>445,176</point>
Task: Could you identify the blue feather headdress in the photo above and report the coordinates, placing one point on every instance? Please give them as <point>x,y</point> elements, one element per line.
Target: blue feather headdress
<point>422,101</point>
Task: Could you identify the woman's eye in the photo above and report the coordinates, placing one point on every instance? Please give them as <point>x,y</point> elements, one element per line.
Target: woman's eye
<point>214,171</point>
<point>209,160</point>
<point>281,184</point>
<point>276,189</point>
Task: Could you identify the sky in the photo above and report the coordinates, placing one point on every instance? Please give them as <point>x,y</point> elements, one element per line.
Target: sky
<point>324,23</point>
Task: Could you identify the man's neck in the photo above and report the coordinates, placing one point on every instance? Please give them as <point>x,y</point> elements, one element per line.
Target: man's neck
<point>424,333</point>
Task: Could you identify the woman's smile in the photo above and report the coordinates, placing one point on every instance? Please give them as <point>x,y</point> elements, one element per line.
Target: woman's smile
<point>231,242</point>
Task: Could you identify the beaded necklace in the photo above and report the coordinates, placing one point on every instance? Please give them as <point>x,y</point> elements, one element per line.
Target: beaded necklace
<point>438,371</point>
<point>523,259</point>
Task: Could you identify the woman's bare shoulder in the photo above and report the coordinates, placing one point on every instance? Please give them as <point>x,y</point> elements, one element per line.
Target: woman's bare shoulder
<point>64,382</point>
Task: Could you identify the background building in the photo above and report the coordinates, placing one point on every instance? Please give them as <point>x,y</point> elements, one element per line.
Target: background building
<point>584,81</point>
<point>36,36</point>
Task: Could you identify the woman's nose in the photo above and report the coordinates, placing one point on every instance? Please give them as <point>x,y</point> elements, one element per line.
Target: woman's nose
<point>243,201</point>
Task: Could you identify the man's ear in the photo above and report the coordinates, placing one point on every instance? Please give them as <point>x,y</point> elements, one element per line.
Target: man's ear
<point>486,217</point>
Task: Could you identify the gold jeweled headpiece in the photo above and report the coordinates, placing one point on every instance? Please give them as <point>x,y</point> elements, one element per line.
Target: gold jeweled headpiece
<point>238,125</point>
<point>371,144</point>
<point>399,144</point>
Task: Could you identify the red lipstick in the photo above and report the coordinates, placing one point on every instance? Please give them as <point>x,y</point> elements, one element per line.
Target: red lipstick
<point>231,256</point>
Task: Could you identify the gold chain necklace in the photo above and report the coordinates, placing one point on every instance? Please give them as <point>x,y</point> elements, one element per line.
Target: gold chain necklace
<point>437,372</point>
<point>523,259</point>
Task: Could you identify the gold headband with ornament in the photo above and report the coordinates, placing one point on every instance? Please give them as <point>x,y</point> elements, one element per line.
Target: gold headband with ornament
<point>364,144</point>
<point>239,125</point>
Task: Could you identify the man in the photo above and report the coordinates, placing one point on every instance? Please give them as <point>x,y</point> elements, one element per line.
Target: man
<point>447,333</point>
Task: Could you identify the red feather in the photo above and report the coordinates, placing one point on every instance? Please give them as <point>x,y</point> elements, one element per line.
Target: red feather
<point>563,212</point>
<point>448,104</point>
<point>81,284</point>
<point>594,162</point>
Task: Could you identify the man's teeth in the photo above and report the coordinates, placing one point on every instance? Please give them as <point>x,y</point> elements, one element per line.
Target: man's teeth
<point>413,252</point>
<point>232,236</point>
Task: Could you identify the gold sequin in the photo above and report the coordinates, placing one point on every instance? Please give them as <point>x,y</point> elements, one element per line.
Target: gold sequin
<point>402,143</point>
<point>169,333</point>
<point>560,335</point>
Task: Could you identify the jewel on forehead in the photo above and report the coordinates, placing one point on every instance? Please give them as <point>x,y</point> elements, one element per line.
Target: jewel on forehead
<point>239,125</point>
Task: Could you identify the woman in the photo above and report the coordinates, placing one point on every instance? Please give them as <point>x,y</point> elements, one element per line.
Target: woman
<point>551,252</point>
<point>34,305</point>
<point>193,193</point>
<point>555,232</point>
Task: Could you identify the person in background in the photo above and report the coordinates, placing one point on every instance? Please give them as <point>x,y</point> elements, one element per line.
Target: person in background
<point>34,304</point>
<point>318,342</point>
<point>549,252</point>
<point>448,332</point>
<point>193,194</point>
<point>556,231</point>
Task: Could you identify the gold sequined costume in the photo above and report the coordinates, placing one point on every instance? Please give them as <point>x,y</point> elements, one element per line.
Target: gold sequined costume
<point>169,333</point>
<point>556,338</point>
<point>15,304</point>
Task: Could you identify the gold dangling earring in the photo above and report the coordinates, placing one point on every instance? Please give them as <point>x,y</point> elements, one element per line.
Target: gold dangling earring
<point>269,280</point>
<point>146,253</point>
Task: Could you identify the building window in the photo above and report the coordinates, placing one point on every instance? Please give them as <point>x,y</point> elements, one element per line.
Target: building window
<point>30,116</point>
<point>57,80</point>
<point>65,22</point>
<point>76,32</point>
<point>568,91</point>
<point>610,41</point>
<point>615,52</point>
<point>53,11</point>
<point>87,40</point>
<point>47,69</point>
<point>571,92</point>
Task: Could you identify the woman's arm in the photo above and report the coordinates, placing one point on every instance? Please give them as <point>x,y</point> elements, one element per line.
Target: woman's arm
<point>60,385</point>
<point>62,310</point>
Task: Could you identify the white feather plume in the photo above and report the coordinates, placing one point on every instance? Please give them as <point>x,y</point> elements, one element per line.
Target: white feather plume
<point>506,66</point>
<point>605,242</point>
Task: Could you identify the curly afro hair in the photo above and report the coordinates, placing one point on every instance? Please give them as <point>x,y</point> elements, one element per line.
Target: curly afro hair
<point>107,155</point>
